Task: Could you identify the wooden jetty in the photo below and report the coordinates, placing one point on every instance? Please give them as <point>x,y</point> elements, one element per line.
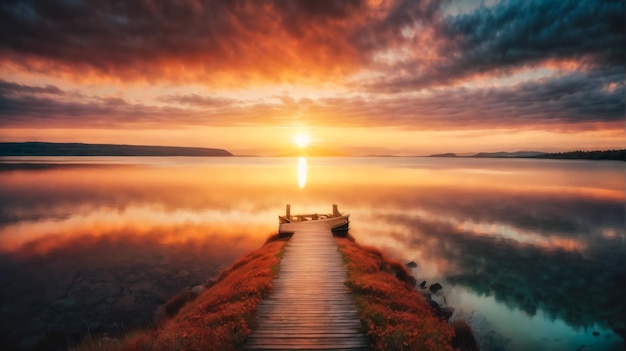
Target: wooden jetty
<point>309,307</point>
<point>336,221</point>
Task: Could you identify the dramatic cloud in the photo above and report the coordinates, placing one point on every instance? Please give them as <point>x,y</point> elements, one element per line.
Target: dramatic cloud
<point>514,34</point>
<point>272,40</point>
<point>41,111</point>
<point>410,64</point>
<point>8,88</point>
<point>290,40</point>
<point>521,32</point>
<point>569,102</point>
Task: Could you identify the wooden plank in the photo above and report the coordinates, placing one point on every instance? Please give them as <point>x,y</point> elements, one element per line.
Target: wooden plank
<point>307,344</point>
<point>318,330</point>
<point>304,348</point>
<point>309,308</point>
<point>314,324</point>
<point>319,325</point>
<point>310,342</point>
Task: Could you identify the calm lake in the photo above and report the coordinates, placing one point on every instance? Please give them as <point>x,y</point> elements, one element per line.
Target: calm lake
<point>530,252</point>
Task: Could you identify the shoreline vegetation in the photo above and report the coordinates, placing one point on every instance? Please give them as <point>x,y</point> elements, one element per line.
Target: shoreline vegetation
<point>220,314</point>
<point>17,149</point>
<point>81,149</point>
<point>394,314</point>
<point>608,155</point>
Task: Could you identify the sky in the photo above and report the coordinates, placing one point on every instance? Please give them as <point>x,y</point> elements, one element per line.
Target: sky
<point>403,77</point>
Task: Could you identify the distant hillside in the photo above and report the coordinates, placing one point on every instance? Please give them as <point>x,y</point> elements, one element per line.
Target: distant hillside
<point>509,154</point>
<point>449,154</point>
<point>79,149</point>
<point>617,155</point>
<point>501,154</point>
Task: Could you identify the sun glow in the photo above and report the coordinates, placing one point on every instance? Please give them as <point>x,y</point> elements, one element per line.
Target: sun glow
<point>302,139</point>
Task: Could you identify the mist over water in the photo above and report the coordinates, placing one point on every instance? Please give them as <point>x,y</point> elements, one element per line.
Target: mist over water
<point>531,252</point>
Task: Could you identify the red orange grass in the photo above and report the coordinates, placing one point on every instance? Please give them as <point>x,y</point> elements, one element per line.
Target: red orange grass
<point>395,316</point>
<point>222,316</point>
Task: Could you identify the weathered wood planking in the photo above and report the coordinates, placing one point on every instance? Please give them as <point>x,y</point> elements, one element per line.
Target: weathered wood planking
<point>309,307</point>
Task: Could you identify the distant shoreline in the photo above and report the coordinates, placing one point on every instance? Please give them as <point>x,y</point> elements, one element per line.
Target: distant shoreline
<point>80,149</point>
<point>47,149</point>
<point>600,155</point>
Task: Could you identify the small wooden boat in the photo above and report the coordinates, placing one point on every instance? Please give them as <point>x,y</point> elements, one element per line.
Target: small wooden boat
<point>336,221</point>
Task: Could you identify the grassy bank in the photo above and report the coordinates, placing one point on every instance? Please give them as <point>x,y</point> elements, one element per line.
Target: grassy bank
<point>394,314</point>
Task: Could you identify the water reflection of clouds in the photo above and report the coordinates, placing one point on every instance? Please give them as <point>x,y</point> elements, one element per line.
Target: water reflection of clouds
<point>64,285</point>
<point>61,193</point>
<point>396,221</point>
<point>547,273</point>
<point>553,246</point>
<point>166,227</point>
<point>89,247</point>
<point>544,213</point>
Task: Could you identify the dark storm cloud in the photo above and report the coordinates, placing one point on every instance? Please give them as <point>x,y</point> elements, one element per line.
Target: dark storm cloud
<point>9,88</point>
<point>519,32</point>
<point>514,34</point>
<point>165,39</point>
<point>290,40</point>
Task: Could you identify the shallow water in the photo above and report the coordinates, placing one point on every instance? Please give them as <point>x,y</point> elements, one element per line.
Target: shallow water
<point>530,252</point>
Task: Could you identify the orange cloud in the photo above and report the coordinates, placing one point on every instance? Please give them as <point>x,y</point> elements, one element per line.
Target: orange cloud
<point>212,42</point>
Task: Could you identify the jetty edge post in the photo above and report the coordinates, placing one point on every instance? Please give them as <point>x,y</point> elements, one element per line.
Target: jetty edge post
<point>288,211</point>
<point>336,211</point>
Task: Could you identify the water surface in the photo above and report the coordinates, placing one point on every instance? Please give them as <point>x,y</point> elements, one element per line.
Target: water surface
<point>530,252</point>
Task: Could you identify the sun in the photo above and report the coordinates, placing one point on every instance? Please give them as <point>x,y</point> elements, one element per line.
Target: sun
<point>302,139</point>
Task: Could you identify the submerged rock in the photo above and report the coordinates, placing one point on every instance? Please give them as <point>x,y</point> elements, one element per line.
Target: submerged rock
<point>124,303</point>
<point>435,287</point>
<point>411,264</point>
<point>183,273</point>
<point>92,300</point>
<point>65,302</point>
<point>159,294</point>
<point>198,289</point>
<point>423,285</point>
<point>141,285</point>
<point>53,295</point>
<point>440,299</point>
<point>108,289</point>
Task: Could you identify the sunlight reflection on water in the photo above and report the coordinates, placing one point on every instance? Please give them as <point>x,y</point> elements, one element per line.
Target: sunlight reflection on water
<point>302,172</point>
